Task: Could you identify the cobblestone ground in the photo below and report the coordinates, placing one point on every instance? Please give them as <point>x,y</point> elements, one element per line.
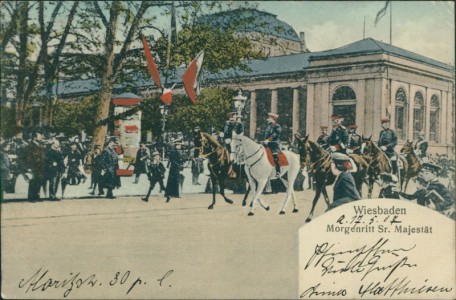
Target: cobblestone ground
<point>196,252</point>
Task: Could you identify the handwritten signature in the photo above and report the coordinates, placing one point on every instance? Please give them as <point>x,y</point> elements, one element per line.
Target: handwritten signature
<point>365,259</point>
<point>41,281</point>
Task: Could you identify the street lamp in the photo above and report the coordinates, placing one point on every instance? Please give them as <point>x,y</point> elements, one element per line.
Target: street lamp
<point>239,104</point>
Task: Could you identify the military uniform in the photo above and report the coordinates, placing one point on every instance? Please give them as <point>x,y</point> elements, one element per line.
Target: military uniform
<point>421,148</point>
<point>155,173</point>
<point>388,138</point>
<point>354,143</point>
<point>54,170</point>
<point>272,134</point>
<point>323,140</point>
<point>389,193</point>
<point>435,192</point>
<point>338,139</point>
<point>109,166</point>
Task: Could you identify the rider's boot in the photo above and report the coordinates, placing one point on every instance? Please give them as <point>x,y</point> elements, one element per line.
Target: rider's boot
<point>277,166</point>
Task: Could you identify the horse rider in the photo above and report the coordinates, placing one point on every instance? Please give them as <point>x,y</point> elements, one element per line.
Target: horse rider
<point>354,140</point>
<point>272,139</point>
<point>421,147</point>
<point>387,141</point>
<point>337,141</point>
<point>323,138</point>
<point>430,189</point>
<point>227,132</point>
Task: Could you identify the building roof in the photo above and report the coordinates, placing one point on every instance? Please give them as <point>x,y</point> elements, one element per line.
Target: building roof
<point>273,65</point>
<point>255,21</point>
<point>370,45</point>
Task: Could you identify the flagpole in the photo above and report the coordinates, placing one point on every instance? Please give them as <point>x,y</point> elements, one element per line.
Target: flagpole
<point>391,22</point>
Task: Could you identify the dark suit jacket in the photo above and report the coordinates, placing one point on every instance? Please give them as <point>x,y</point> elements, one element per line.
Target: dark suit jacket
<point>344,190</point>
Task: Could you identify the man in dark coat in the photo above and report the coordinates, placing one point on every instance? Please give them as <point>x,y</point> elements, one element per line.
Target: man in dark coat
<point>155,173</point>
<point>387,141</point>
<point>338,140</point>
<point>323,138</point>
<point>344,188</point>
<point>55,167</point>
<point>142,155</point>
<point>109,166</point>
<point>35,162</point>
<point>174,165</point>
<point>272,139</point>
<point>75,158</point>
<point>197,140</point>
<point>354,140</point>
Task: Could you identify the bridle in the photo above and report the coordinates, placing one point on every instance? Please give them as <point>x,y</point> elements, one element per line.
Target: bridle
<point>251,155</point>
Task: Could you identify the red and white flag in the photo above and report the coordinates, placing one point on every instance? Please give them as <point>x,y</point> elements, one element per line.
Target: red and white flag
<point>191,77</point>
<point>167,96</point>
<point>151,66</point>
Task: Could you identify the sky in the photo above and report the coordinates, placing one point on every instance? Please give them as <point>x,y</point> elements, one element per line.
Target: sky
<point>423,27</point>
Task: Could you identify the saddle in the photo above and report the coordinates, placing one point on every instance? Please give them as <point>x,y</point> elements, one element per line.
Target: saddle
<point>282,158</point>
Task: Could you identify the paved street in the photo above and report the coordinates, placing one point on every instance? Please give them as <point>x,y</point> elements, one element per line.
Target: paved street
<point>219,253</point>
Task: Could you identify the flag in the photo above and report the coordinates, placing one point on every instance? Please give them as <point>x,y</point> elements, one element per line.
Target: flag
<point>151,66</point>
<point>167,96</point>
<point>191,77</point>
<point>381,12</point>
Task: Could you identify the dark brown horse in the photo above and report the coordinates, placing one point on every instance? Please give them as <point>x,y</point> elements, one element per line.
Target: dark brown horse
<point>378,163</point>
<point>318,161</point>
<point>414,165</point>
<point>219,166</point>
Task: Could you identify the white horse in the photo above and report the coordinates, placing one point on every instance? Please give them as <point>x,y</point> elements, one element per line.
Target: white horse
<point>259,170</point>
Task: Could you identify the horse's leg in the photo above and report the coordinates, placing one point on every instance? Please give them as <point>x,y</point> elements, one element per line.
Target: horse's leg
<point>290,194</point>
<point>222,190</point>
<point>214,187</point>
<point>325,195</point>
<point>259,189</point>
<point>244,202</point>
<point>318,189</point>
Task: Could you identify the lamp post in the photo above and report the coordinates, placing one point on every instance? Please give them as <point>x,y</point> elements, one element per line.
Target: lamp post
<point>164,113</point>
<point>239,104</point>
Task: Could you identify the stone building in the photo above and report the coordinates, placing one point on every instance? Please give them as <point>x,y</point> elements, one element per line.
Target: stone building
<point>363,81</point>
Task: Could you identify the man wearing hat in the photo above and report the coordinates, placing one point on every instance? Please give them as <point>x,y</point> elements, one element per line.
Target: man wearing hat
<point>174,165</point>
<point>227,132</point>
<point>354,140</point>
<point>323,138</point>
<point>387,141</point>
<point>55,167</point>
<point>35,162</point>
<point>142,154</point>
<point>421,147</point>
<point>155,173</point>
<point>197,141</point>
<point>430,189</point>
<point>272,139</point>
<point>337,141</point>
<point>387,182</point>
<point>344,187</point>
<point>109,165</point>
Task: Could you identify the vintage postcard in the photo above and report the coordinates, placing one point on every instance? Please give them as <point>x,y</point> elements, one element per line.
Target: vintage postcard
<point>227,150</point>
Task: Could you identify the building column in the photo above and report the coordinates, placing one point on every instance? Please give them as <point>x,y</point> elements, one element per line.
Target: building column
<point>427,114</point>
<point>274,101</point>
<point>253,114</point>
<point>411,115</point>
<point>295,123</point>
<point>360,104</point>
<point>443,117</point>
<point>310,128</point>
<point>450,116</point>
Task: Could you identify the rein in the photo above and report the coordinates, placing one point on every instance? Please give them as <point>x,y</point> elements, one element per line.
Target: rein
<point>250,156</point>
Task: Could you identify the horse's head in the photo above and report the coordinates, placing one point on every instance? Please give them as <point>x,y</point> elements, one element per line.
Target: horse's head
<point>303,149</point>
<point>408,148</point>
<point>366,143</point>
<point>236,146</point>
<point>208,144</point>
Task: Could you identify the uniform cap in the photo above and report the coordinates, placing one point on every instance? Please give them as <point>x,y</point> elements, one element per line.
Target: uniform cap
<point>273,116</point>
<point>156,153</point>
<point>335,117</point>
<point>353,126</point>
<point>434,168</point>
<point>385,120</point>
<point>324,127</point>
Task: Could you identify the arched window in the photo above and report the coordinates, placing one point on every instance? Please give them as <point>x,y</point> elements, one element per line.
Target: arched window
<point>401,114</point>
<point>434,122</point>
<point>344,104</point>
<point>418,114</point>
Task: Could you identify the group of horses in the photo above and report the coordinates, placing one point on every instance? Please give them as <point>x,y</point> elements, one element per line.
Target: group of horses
<point>258,170</point>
